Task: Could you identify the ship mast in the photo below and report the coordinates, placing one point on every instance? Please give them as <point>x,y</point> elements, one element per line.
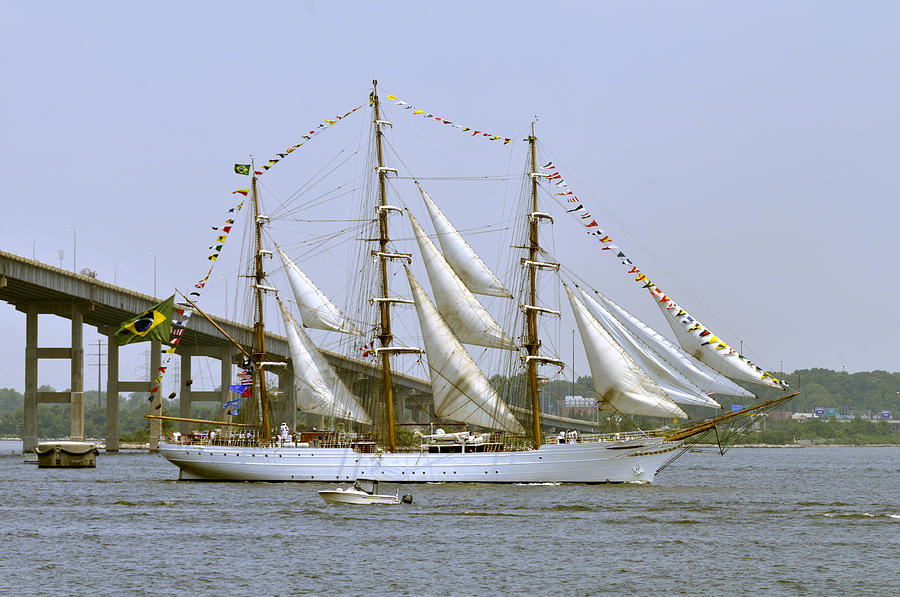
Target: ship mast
<point>385,335</point>
<point>258,354</point>
<point>532,342</point>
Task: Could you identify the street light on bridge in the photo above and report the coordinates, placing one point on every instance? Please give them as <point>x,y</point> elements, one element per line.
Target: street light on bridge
<point>154,271</point>
<point>74,246</point>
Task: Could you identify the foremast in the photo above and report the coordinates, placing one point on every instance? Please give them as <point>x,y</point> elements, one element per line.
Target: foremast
<point>258,354</point>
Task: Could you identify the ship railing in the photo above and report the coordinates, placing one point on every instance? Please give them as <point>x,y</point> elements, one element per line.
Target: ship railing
<point>621,436</point>
<point>582,438</point>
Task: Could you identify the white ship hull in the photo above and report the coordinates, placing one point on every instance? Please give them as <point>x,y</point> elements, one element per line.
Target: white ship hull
<point>590,462</point>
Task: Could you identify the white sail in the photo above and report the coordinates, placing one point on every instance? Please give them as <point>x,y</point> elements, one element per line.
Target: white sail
<point>461,391</point>
<point>318,388</point>
<point>316,309</point>
<point>468,319</point>
<point>617,379</point>
<point>464,261</point>
<point>700,374</point>
<point>675,385</point>
<point>703,345</point>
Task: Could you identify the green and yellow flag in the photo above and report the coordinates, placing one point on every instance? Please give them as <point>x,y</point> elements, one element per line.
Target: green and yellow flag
<point>242,169</point>
<point>153,324</point>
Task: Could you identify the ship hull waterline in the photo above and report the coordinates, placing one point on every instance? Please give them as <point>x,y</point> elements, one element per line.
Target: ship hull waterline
<point>607,462</point>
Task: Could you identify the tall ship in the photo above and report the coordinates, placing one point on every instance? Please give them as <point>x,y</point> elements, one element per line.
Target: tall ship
<point>404,294</point>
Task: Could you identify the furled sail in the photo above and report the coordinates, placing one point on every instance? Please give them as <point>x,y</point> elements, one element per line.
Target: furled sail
<point>316,309</point>
<point>318,388</point>
<point>675,385</point>
<point>460,389</point>
<point>468,319</point>
<point>703,345</point>
<point>464,261</point>
<point>618,380</point>
<point>700,374</point>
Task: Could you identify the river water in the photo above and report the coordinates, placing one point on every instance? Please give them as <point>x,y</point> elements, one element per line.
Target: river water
<point>758,521</point>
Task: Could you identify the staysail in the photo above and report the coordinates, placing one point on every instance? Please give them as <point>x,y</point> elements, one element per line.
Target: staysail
<point>617,379</point>
<point>468,319</point>
<point>675,385</point>
<point>316,309</point>
<point>700,374</point>
<point>460,389</point>
<point>692,336</point>
<point>464,261</point>
<point>703,345</point>
<point>318,388</point>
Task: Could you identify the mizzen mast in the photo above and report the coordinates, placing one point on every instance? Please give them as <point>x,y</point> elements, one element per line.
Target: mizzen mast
<point>532,342</point>
<point>530,307</point>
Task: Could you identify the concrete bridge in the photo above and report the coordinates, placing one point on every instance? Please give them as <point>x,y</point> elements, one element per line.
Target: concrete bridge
<point>37,288</point>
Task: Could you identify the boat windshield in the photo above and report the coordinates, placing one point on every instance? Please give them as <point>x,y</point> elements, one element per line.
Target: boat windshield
<point>366,486</point>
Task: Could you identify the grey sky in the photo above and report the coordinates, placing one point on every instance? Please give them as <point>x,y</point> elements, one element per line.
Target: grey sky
<point>750,147</point>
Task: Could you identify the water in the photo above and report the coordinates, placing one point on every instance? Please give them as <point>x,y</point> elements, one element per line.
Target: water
<point>811,521</point>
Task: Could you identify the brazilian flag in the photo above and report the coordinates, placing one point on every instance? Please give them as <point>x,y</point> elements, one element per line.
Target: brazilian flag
<point>153,324</point>
<point>242,169</point>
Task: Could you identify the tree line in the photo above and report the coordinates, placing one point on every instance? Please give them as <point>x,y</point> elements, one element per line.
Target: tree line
<point>854,394</point>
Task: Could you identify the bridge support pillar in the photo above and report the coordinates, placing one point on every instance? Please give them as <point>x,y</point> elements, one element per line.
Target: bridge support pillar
<point>286,387</point>
<point>29,436</point>
<point>225,376</point>
<point>112,394</point>
<point>156,397</point>
<point>184,394</point>
<point>402,413</point>
<point>75,353</point>
<point>76,400</point>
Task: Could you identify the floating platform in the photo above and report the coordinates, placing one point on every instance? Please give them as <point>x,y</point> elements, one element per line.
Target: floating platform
<point>67,455</point>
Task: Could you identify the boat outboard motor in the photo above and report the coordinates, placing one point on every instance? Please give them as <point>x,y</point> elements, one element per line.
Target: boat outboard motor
<point>407,498</point>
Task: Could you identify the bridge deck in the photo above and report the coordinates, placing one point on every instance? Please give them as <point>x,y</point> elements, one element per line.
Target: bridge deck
<point>105,306</point>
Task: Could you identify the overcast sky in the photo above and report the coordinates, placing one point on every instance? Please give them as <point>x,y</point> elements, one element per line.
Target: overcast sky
<point>750,148</point>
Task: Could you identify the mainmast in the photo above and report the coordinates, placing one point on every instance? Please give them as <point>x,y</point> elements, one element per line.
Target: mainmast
<point>258,355</point>
<point>385,335</point>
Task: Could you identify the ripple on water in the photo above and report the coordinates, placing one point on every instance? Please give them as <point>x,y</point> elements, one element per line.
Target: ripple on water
<point>152,534</point>
<point>861,516</point>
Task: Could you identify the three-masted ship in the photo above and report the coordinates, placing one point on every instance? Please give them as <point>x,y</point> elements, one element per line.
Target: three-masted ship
<point>494,429</point>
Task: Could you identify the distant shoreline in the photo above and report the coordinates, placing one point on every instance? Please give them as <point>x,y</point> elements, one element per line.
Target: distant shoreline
<point>810,445</point>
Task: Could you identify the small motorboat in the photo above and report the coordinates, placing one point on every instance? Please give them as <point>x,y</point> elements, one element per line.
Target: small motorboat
<point>361,495</point>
